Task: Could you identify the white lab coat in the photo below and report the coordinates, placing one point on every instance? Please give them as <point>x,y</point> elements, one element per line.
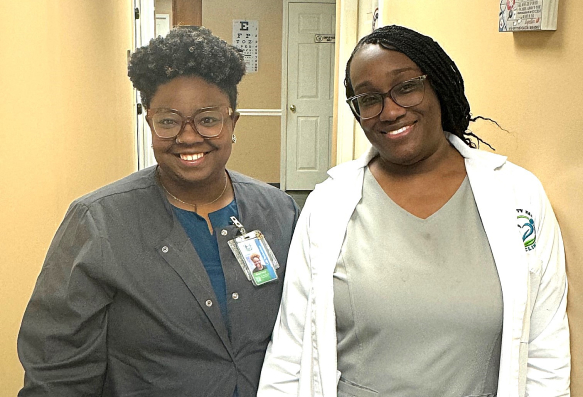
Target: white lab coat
<point>535,358</point>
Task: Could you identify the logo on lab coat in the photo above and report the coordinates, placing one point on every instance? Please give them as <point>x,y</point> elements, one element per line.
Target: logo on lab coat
<point>527,228</point>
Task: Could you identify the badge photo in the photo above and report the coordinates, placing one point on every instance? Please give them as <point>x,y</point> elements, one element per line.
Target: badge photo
<point>261,268</point>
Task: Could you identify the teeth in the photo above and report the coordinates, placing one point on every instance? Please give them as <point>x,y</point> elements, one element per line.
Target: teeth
<point>191,157</point>
<point>400,130</point>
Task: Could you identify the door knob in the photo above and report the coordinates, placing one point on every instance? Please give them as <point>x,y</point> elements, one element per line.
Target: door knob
<point>292,108</point>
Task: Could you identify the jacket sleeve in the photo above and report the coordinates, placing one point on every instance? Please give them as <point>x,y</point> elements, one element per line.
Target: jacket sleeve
<point>62,339</point>
<point>548,366</point>
<point>281,369</point>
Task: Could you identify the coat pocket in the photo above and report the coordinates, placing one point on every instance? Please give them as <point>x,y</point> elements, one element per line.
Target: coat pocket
<point>347,388</point>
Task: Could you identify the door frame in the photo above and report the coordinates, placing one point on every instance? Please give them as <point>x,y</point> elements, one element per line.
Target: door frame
<point>348,140</point>
<point>284,102</point>
<point>144,29</point>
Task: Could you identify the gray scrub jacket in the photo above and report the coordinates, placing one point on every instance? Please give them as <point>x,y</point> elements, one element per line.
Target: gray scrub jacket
<point>123,305</point>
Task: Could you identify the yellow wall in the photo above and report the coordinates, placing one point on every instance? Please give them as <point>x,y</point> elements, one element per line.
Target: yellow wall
<point>66,129</point>
<point>531,83</point>
<point>257,151</point>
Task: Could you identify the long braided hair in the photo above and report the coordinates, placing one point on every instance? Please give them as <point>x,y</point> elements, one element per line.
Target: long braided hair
<point>446,79</point>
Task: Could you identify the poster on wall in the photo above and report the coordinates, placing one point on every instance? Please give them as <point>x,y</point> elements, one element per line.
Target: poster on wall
<point>521,15</point>
<point>245,37</point>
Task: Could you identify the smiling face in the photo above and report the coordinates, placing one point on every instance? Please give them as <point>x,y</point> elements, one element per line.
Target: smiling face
<point>192,161</point>
<point>257,262</point>
<point>403,136</point>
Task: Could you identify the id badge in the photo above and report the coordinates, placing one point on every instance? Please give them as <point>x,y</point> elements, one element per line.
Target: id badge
<point>255,257</point>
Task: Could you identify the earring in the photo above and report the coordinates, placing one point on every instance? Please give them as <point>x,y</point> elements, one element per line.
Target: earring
<point>233,138</point>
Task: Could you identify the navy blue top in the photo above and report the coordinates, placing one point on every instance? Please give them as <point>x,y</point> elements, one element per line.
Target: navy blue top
<point>207,248</point>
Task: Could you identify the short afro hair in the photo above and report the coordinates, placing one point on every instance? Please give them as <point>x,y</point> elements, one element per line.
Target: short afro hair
<point>186,51</point>
<point>442,72</point>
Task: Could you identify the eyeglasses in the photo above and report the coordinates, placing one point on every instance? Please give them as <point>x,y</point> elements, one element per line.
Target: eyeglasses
<point>208,122</point>
<point>406,94</point>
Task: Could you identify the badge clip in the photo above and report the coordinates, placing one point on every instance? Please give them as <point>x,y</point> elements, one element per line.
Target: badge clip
<point>238,224</point>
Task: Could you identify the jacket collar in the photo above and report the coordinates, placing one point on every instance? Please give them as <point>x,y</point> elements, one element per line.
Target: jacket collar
<point>353,166</point>
<point>486,159</point>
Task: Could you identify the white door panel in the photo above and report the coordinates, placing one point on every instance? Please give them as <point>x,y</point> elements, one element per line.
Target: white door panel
<point>310,94</point>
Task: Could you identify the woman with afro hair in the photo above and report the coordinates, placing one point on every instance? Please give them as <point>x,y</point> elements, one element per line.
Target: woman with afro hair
<point>407,275</point>
<point>140,293</point>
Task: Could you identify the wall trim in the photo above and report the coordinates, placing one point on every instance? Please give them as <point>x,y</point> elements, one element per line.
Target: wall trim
<point>259,112</point>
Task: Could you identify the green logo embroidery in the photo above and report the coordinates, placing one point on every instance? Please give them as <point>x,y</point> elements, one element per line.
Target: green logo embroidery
<point>526,226</point>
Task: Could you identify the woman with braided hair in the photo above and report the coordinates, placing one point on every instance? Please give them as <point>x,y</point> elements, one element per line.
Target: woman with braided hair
<point>143,292</point>
<point>407,276</point>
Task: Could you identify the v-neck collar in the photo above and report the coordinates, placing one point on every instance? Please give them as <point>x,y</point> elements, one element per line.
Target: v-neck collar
<point>371,182</point>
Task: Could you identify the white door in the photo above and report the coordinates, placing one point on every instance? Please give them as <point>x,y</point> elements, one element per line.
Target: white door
<point>310,93</point>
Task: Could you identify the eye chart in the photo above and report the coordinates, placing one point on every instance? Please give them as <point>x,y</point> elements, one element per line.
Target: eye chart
<point>245,37</point>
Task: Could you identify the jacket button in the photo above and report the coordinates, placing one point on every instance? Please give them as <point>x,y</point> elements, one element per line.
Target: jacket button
<point>164,249</point>
<point>224,232</point>
<point>209,303</point>
<point>235,295</point>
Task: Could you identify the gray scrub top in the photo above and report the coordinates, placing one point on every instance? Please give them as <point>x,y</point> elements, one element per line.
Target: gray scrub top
<point>418,301</point>
<point>124,305</point>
